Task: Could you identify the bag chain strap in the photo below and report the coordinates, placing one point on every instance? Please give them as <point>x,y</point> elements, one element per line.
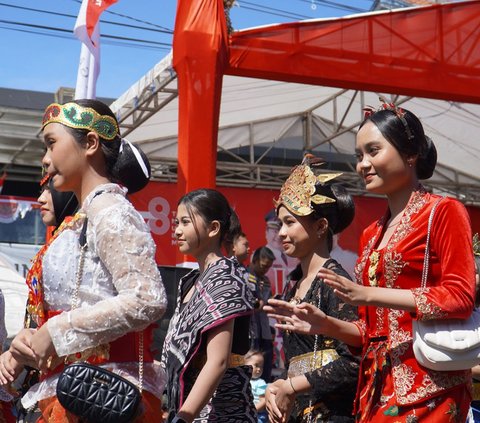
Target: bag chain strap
<point>74,304</point>
<point>314,361</point>
<point>427,245</point>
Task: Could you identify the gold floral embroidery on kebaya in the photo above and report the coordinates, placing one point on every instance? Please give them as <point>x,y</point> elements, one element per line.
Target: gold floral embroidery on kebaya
<point>404,379</point>
<point>434,382</point>
<point>400,339</point>
<point>379,326</point>
<point>428,310</point>
<point>393,265</point>
<point>372,268</point>
<point>360,266</point>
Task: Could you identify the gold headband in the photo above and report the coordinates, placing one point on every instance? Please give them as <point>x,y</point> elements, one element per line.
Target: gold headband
<point>298,191</point>
<point>476,245</point>
<point>78,117</point>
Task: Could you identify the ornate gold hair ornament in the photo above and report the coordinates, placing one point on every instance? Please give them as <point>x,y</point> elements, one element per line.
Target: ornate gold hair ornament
<point>78,117</point>
<point>370,110</point>
<point>476,245</point>
<point>298,191</point>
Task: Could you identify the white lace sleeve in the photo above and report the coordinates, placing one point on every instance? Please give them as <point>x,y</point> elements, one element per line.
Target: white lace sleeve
<point>3,330</point>
<point>122,255</point>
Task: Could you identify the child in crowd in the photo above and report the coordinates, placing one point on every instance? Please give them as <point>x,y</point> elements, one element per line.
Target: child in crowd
<point>255,359</point>
<point>241,247</point>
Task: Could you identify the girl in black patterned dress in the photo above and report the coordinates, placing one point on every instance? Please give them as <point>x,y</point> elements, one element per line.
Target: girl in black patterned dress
<point>322,372</point>
<point>208,334</point>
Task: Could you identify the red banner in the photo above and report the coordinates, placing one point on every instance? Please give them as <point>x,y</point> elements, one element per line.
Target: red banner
<point>158,203</point>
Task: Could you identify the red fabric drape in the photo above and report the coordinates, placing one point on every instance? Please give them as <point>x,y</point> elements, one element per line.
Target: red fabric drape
<point>199,58</point>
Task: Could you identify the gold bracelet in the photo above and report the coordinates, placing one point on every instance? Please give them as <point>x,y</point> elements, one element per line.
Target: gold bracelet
<point>291,384</point>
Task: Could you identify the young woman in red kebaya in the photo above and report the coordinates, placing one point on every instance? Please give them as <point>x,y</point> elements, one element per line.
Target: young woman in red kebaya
<point>393,154</point>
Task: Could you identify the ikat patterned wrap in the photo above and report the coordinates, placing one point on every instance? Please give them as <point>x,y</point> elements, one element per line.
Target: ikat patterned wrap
<point>220,294</point>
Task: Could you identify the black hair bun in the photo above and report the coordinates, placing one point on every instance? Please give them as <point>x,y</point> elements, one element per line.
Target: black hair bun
<point>345,208</point>
<point>427,161</point>
<point>129,171</point>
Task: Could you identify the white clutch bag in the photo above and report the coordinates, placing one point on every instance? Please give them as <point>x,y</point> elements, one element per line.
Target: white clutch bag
<point>445,345</point>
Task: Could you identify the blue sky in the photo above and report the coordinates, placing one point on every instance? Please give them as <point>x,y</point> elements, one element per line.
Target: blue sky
<point>35,61</point>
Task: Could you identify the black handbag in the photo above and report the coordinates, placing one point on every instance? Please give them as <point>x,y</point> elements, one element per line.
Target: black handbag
<point>97,395</point>
<point>94,393</point>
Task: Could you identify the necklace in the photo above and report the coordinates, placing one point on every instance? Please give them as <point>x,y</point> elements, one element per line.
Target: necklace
<point>392,224</point>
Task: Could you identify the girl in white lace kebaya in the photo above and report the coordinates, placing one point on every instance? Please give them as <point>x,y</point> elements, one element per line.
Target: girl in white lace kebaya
<point>120,293</point>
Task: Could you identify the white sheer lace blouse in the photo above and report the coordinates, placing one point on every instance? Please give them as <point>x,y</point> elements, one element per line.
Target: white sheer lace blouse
<point>121,289</point>
<point>4,395</point>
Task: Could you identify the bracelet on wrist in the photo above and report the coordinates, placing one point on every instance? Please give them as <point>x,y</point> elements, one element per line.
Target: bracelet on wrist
<point>291,384</point>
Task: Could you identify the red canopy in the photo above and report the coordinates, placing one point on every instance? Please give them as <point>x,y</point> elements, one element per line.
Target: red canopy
<point>427,52</point>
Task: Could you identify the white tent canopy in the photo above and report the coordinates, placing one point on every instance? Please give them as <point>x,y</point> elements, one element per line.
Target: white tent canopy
<point>287,119</point>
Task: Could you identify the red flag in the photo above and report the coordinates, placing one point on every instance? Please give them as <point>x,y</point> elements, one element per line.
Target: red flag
<point>87,31</point>
<point>88,17</point>
<point>2,180</point>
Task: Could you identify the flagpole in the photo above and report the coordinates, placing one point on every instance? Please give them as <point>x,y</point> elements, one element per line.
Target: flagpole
<point>83,73</point>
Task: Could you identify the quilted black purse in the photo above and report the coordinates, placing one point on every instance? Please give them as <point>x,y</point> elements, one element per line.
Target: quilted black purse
<point>97,395</point>
<point>91,392</point>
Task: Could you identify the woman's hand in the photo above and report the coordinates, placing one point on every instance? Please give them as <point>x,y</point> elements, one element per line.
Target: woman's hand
<point>285,399</point>
<point>348,291</point>
<point>9,368</point>
<point>43,348</point>
<point>302,318</point>
<point>274,413</point>
<point>21,349</point>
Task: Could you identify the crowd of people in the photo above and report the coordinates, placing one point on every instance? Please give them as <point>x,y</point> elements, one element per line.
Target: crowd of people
<point>95,291</point>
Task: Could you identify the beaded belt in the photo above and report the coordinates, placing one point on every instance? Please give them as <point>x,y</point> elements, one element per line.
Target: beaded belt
<point>305,363</point>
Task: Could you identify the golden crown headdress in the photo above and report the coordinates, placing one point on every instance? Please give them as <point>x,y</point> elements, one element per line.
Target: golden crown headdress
<point>298,191</point>
<point>78,117</point>
<point>476,245</point>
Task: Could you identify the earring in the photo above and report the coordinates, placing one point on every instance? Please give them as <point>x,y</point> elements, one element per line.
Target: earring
<point>319,234</point>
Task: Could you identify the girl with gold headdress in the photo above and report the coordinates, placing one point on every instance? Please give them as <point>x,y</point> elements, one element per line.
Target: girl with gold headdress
<point>106,316</point>
<point>393,154</point>
<point>322,372</point>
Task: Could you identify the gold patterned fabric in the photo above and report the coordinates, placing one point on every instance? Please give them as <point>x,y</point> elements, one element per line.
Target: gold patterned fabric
<point>305,363</point>
<point>298,191</point>
<point>236,360</point>
<point>78,117</point>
